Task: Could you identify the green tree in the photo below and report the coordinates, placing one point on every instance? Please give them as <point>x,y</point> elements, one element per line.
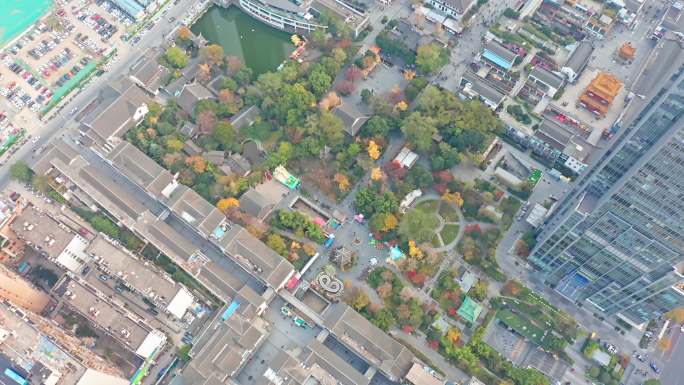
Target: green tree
<point>106,226</point>
<point>277,243</point>
<point>369,202</point>
<point>377,126</point>
<point>40,183</point>
<point>283,155</point>
<point>184,352</point>
<point>319,80</point>
<point>360,301</point>
<point>224,134</point>
<point>20,171</point>
<point>594,372</point>
<point>417,225</point>
<point>328,127</point>
<point>431,58</point>
<point>366,95</point>
<point>383,319</point>
<point>318,37</point>
<point>419,130</point>
<point>176,57</point>
<point>479,291</point>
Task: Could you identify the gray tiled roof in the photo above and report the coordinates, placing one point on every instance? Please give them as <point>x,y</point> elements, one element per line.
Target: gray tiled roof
<point>366,339</point>
<point>547,77</point>
<point>580,56</point>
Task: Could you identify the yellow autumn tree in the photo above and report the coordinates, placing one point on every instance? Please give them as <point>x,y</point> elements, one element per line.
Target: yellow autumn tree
<point>174,144</point>
<point>401,106</point>
<point>376,174</point>
<point>373,150</point>
<point>342,181</point>
<point>390,222</point>
<point>454,198</point>
<point>414,250</point>
<point>226,203</point>
<point>453,335</point>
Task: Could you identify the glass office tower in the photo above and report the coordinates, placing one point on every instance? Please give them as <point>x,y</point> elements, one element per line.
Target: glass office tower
<point>618,246</point>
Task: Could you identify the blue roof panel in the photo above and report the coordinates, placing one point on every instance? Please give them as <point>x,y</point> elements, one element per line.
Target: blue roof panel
<point>498,60</point>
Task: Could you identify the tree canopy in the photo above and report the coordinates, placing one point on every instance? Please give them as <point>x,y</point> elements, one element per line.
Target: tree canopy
<point>176,57</point>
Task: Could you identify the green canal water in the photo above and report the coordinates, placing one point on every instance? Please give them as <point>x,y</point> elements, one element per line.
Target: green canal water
<point>18,15</point>
<point>259,46</point>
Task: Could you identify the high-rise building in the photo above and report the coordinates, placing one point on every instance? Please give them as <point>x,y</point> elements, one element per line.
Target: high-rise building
<point>619,245</point>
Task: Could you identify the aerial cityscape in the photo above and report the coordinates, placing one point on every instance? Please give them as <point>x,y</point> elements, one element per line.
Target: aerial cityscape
<point>341,192</point>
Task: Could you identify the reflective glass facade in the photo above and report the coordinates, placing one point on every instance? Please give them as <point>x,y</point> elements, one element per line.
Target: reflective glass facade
<point>617,248</point>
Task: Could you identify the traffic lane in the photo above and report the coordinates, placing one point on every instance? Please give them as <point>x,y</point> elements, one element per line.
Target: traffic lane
<point>673,368</point>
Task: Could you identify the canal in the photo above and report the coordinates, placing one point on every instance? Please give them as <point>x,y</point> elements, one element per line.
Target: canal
<point>259,46</point>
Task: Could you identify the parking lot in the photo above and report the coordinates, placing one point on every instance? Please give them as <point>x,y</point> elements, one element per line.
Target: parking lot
<point>57,52</point>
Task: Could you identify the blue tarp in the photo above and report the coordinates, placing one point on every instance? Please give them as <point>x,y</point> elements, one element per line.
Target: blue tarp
<point>15,377</point>
<point>498,60</point>
<point>230,310</point>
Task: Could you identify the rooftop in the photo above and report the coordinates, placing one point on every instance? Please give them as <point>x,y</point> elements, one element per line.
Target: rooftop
<point>224,346</point>
<point>26,337</point>
<point>352,118</point>
<point>165,238</point>
<point>580,56</point>
<point>245,117</point>
<point>367,340</point>
<point>114,111</point>
<point>481,88</point>
<point>195,210</point>
<point>147,71</point>
<point>138,274</point>
<point>255,204</point>
<point>257,258</point>
<point>140,168</point>
<point>605,86</point>
<point>547,77</point>
<point>191,94</point>
<point>499,55</point>
<point>107,316</point>
<point>42,231</point>
<point>55,150</point>
<point>469,310</point>
<point>423,375</point>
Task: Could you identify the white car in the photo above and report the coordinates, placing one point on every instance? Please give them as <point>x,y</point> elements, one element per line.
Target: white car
<point>35,139</point>
<point>681,329</point>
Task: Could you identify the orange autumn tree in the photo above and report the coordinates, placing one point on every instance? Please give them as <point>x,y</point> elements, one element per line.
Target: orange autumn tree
<point>197,163</point>
<point>376,174</point>
<point>342,181</point>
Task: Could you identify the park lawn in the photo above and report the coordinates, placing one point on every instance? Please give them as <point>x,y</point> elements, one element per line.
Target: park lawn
<point>429,206</point>
<point>435,241</point>
<point>448,212</point>
<point>522,326</point>
<point>449,233</point>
